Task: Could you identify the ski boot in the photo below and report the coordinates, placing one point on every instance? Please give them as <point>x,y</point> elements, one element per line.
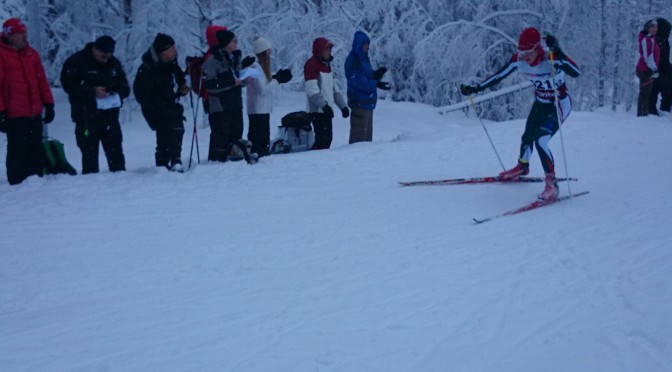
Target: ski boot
<point>521,169</point>
<point>551,190</point>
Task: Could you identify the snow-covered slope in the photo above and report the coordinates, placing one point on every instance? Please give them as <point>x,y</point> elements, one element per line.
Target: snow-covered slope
<point>319,261</point>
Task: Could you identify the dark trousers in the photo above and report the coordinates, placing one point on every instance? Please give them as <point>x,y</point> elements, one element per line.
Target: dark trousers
<point>259,133</point>
<point>361,125</point>
<point>169,143</point>
<point>541,125</point>
<point>225,127</point>
<point>24,149</point>
<point>109,135</point>
<point>645,89</point>
<point>323,131</point>
<point>662,86</point>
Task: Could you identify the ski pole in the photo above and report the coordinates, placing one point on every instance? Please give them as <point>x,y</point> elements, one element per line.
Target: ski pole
<point>194,136</point>
<point>473,106</point>
<point>557,112</point>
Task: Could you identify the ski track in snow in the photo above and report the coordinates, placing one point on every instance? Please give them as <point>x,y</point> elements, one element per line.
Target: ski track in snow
<point>320,262</point>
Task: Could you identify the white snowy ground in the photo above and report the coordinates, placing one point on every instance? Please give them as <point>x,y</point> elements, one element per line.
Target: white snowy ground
<point>320,262</point>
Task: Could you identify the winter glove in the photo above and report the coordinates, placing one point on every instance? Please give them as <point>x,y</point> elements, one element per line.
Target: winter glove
<point>554,46</point>
<point>49,113</point>
<point>383,85</point>
<point>328,111</point>
<point>247,62</point>
<point>3,122</point>
<point>378,74</point>
<point>655,75</point>
<point>468,90</point>
<point>345,112</point>
<point>283,76</point>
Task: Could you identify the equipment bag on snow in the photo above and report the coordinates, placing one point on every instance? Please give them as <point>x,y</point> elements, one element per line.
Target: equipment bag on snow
<point>294,135</point>
<point>242,150</point>
<point>54,158</point>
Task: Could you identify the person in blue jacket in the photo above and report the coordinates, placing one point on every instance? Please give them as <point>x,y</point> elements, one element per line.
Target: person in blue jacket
<point>362,84</point>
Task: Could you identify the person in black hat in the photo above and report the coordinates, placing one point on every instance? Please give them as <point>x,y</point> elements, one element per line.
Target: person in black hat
<point>158,86</point>
<point>221,77</point>
<point>96,85</point>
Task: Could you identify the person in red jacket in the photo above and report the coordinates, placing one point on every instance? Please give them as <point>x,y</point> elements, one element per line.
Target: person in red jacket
<point>647,65</point>
<point>24,95</point>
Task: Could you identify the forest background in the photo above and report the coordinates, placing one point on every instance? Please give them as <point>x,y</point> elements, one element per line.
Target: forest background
<point>429,46</point>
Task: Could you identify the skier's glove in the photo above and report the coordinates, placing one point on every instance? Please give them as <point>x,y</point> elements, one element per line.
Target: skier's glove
<point>283,76</point>
<point>468,90</point>
<point>345,112</point>
<point>383,85</point>
<point>554,46</point>
<point>49,113</point>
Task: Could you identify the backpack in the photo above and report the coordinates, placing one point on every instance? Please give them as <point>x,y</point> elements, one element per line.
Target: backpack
<point>54,158</point>
<point>242,149</point>
<point>294,135</point>
<point>195,72</point>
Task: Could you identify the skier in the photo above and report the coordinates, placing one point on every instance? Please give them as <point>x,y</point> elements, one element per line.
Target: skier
<point>542,123</point>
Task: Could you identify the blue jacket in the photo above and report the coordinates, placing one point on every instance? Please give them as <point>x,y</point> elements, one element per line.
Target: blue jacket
<point>359,73</point>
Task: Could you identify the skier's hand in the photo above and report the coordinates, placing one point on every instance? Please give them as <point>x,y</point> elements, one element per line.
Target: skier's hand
<point>655,75</point>
<point>553,45</point>
<point>101,92</point>
<point>247,61</point>
<point>327,110</point>
<point>468,90</point>
<point>378,74</point>
<point>345,112</point>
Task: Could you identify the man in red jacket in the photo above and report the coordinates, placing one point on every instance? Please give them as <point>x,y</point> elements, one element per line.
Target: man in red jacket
<point>24,94</point>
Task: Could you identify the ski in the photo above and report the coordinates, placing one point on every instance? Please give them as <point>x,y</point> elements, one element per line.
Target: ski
<point>534,205</point>
<point>475,180</point>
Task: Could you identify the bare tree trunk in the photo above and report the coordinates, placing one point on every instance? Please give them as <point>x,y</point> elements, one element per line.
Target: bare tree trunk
<point>128,12</point>
<point>616,99</point>
<point>35,25</point>
<point>603,55</point>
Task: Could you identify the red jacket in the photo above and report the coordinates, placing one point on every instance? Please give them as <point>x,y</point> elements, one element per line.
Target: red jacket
<point>24,89</point>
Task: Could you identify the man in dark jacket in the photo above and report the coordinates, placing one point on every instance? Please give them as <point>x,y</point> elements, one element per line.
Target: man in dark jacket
<point>362,88</point>
<point>663,84</point>
<point>96,85</point>
<point>158,87</point>
<point>24,95</point>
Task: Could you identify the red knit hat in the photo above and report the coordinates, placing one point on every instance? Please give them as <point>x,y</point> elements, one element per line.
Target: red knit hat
<point>13,26</point>
<point>529,39</point>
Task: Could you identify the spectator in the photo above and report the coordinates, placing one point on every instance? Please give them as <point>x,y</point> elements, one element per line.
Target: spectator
<point>663,85</point>
<point>322,92</point>
<point>260,96</point>
<point>362,88</point>
<point>24,94</point>
<point>96,86</point>
<point>158,87</point>
<point>647,65</point>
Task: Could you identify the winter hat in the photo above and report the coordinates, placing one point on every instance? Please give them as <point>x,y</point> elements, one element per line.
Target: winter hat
<point>224,37</point>
<point>162,42</point>
<point>211,34</point>
<point>13,26</point>
<point>259,44</point>
<point>529,39</point>
<point>105,44</point>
